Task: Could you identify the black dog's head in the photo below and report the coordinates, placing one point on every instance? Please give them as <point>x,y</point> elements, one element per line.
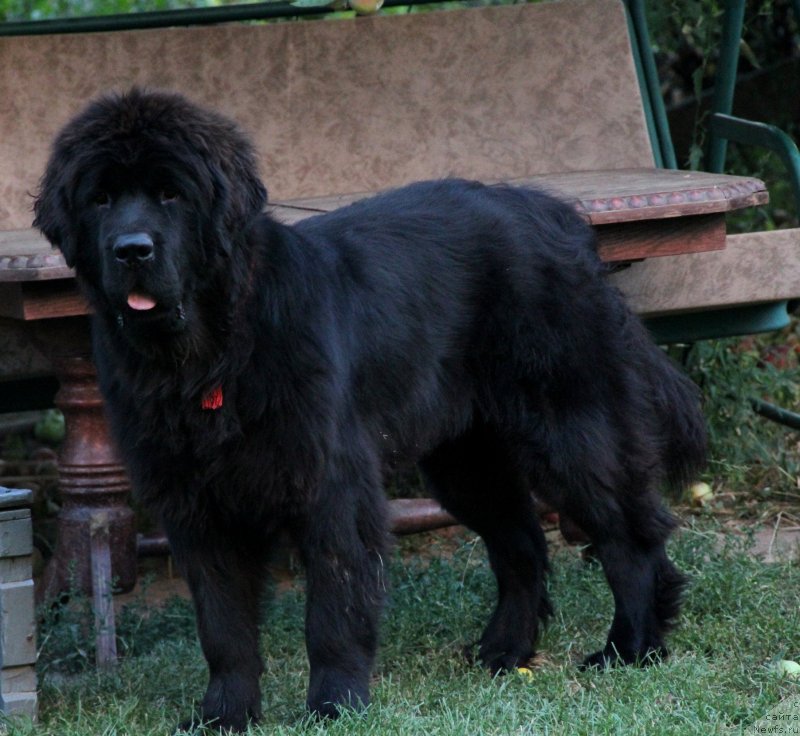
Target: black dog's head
<point>146,194</point>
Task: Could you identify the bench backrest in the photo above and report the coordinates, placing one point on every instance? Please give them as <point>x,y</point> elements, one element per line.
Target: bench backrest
<point>359,104</point>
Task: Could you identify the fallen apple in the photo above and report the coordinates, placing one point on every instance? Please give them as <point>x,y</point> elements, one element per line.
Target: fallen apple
<point>365,7</point>
<point>788,668</point>
<point>701,493</point>
<point>50,428</point>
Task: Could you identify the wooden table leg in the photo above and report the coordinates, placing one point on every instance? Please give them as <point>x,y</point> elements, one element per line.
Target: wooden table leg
<point>91,476</point>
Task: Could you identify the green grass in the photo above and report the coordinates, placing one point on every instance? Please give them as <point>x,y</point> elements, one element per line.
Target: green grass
<point>741,615</point>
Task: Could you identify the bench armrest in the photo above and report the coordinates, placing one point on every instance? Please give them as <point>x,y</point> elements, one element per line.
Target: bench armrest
<point>762,135</point>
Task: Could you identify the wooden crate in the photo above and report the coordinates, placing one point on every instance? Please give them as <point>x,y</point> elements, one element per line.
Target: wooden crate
<point>17,623</point>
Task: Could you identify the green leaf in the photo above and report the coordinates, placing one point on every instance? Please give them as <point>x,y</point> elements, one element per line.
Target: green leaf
<point>695,156</point>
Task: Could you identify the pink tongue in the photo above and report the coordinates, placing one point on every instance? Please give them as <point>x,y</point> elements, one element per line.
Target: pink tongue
<point>140,302</point>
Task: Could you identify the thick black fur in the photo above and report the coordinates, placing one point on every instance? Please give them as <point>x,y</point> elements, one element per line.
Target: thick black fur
<point>465,327</point>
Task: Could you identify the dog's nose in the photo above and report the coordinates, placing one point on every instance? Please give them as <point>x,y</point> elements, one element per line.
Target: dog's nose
<point>133,249</point>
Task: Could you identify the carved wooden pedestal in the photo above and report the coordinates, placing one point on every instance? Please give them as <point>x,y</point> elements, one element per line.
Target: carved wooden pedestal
<point>91,476</point>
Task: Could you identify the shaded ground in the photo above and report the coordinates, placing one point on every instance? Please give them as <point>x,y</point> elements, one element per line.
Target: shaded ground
<point>778,543</point>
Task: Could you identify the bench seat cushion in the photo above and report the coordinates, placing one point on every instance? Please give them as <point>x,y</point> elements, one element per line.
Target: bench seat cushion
<point>755,267</point>
<point>361,104</point>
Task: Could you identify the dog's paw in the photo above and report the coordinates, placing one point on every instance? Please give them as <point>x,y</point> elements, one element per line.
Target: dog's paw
<point>326,711</point>
<point>611,657</point>
<point>339,693</point>
<point>207,723</point>
<point>197,726</point>
<point>498,659</point>
<point>231,703</point>
<point>499,663</point>
<point>599,661</point>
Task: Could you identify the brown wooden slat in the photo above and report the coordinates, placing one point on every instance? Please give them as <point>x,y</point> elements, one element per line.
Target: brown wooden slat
<point>102,589</point>
<point>41,299</point>
<point>639,239</point>
<point>645,194</point>
<point>605,197</point>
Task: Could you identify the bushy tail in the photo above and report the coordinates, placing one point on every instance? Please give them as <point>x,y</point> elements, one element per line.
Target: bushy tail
<point>675,403</point>
<point>676,400</point>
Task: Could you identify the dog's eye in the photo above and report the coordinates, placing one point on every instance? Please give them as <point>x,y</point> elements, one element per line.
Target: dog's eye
<point>166,196</point>
<point>102,199</point>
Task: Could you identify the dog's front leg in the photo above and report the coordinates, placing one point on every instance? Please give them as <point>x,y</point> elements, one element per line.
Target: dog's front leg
<point>226,583</point>
<point>343,550</point>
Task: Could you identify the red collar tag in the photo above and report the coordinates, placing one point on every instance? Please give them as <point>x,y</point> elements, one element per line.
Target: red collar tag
<point>213,399</point>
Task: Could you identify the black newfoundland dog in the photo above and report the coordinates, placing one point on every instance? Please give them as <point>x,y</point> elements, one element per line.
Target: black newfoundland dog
<point>262,378</point>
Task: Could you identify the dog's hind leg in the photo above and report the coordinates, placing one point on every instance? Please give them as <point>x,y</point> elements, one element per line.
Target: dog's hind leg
<point>628,534</point>
<point>647,589</point>
<point>475,479</point>
<point>646,586</point>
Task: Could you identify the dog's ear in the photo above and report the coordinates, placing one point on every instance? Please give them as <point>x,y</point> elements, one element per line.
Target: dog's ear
<point>239,196</point>
<point>247,195</point>
<point>51,210</point>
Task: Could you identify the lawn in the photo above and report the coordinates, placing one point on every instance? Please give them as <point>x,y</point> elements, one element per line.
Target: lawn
<point>741,616</point>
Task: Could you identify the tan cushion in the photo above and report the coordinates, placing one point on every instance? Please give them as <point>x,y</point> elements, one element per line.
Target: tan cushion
<point>756,267</point>
<point>357,105</point>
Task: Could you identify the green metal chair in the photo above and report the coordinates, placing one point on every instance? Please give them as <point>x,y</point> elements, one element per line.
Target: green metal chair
<point>723,128</point>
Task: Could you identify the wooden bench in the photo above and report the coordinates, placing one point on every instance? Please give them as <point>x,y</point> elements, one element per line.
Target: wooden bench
<point>552,90</point>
